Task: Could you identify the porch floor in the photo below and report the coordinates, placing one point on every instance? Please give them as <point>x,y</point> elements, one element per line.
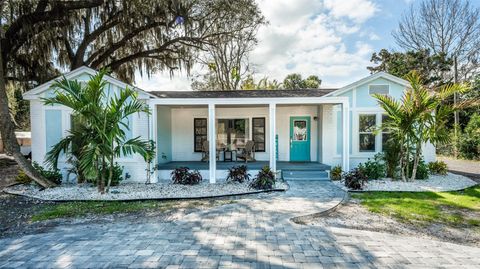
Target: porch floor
<point>257,165</point>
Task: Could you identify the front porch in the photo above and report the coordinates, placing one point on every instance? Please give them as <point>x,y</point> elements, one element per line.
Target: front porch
<point>257,165</point>
<point>306,135</point>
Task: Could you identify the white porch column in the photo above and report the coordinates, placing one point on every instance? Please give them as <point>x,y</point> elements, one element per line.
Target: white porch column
<point>272,120</point>
<point>346,136</point>
<point>212,142</point>
<point>153,136</point>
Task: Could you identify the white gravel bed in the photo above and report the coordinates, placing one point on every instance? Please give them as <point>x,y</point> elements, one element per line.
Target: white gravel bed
<point>450,182</point>
<point>136,191</point>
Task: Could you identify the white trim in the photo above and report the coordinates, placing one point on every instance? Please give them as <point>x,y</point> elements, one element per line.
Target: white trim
<point>355,133</point>
<point>33,93</point>
<point>346,137</point>
<point>365,80</point>
<point>212,142</point>
<point>272,109</point>
<point>153,136</point>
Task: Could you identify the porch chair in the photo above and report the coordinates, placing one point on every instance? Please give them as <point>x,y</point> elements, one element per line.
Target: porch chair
<point>247,153</point>
<point>206,152</point>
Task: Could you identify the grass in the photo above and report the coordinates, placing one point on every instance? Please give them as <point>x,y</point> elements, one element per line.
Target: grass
<point>81,209</point>
<point>460,208</point>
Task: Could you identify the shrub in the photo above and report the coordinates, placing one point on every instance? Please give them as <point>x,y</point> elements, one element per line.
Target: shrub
<point>356,178</point>
<point>469,144</point>
<point>422,170</point>
<point>374,169</point>
<point>336,173</point>
<point>391,158</point>
<point>194,178</point>
<point>53,175</point>
<point>438,168</point>
<point>182,175</point>
<point>265,179</point>
<point>238,174</point>
<point>117,175</point>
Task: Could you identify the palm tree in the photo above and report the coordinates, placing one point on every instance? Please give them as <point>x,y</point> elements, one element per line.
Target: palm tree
<point>400,125</point>
<point>104,120</point>
<point>420,117</point>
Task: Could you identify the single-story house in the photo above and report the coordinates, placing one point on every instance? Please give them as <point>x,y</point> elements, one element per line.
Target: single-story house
<point>307,130</point>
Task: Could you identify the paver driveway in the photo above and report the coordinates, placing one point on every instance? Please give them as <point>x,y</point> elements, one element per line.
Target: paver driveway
<point>254,232</point>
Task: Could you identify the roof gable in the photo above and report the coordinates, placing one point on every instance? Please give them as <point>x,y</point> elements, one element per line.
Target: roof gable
<point>368,79</point>
<point>84,70</point>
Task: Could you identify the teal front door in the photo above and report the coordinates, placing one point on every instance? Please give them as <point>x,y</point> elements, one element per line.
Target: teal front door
<point>300,139</point>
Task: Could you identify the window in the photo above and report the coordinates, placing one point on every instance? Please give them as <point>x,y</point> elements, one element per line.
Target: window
<point>366,137</point>
<point>385,133</point>
<point>232,133</point>
<point>379,89</point>
<point>200,133</point>
<point>258,133</point>
<point>300,130</point>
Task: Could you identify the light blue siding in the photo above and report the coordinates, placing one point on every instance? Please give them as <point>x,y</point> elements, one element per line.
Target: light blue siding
<point>364,99</point>
<point>348,94</point>
<point>164,134</point>
<point>53,128</point>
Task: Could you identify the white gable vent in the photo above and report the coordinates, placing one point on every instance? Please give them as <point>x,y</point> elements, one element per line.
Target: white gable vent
<point>379,89</point>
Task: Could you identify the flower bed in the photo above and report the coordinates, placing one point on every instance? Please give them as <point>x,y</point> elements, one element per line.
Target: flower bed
<point>450,182</point>
<point>138,191</point>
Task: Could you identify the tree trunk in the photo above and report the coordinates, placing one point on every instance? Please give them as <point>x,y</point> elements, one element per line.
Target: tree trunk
<point>402,160</point>
<point>101,182</point>
<point>7,130</point>
<point>110,174</point>
<point>418,151</point>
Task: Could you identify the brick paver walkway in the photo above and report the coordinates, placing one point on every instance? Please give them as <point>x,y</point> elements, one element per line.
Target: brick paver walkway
<point>253,232</point>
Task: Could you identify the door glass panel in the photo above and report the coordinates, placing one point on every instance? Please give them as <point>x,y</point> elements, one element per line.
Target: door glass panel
<point>299,130</point>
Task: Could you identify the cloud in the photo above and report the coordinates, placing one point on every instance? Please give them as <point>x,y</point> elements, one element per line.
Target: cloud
<point>357,10</point>
<point>325,38</point>
<point>314,42</point>
<point>163,82</point>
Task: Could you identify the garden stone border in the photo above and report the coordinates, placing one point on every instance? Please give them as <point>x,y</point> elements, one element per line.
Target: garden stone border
<point>287,187</point>
<point>466,185</point>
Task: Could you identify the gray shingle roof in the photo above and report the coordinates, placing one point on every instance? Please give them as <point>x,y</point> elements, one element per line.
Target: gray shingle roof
<point>243,93</point>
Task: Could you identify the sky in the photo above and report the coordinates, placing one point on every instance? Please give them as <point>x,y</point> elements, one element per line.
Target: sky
<point>333,39</point>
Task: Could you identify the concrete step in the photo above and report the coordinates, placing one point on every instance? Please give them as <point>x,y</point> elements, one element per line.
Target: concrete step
<point>305,175</point>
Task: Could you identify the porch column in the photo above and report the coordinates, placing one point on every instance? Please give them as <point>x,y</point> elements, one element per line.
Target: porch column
<point>153,136</point>
<point>212,142</point>
<point>346,136</point>
<point>272,108</point>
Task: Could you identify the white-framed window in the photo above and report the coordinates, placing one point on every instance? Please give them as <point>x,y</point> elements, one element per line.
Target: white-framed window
<point>379,89</point>
<point>366,136</point>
